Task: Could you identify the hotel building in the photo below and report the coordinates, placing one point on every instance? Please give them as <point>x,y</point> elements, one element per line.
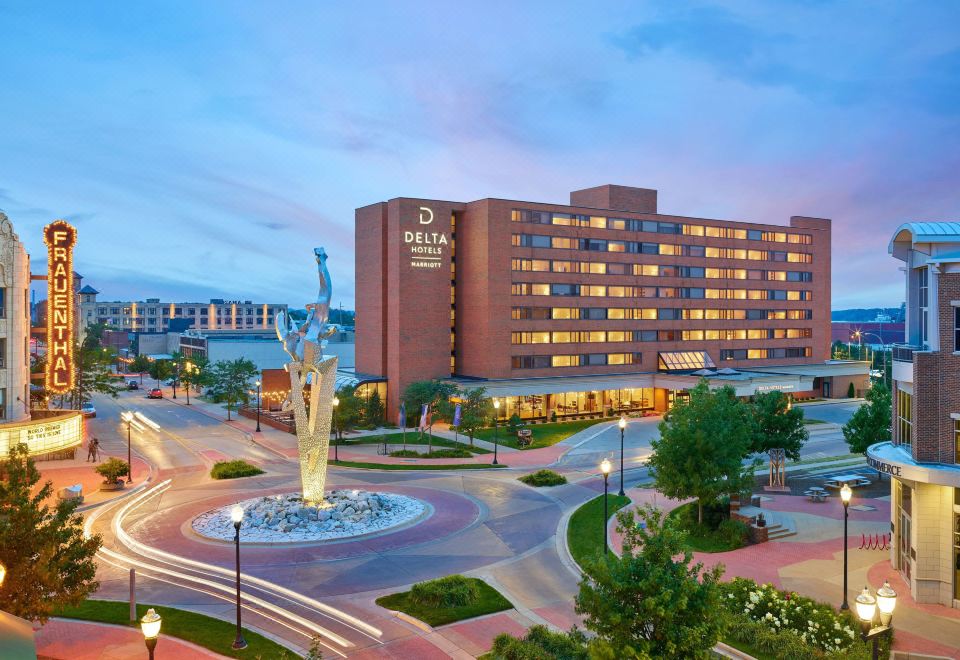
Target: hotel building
<point>603,304</point>
<point>923,457</point>
<point>155,316</point>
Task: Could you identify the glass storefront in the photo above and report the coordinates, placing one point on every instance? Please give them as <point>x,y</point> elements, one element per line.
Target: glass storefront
<point>568,404</point>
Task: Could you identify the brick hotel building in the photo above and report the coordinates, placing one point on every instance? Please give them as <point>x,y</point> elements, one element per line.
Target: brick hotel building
<point>923,458</point>
<point>603,304</point>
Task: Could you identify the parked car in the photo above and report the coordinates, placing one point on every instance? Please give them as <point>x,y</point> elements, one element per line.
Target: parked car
<point>133,385</point>
<point>87,410</point>
<point>155,393</point>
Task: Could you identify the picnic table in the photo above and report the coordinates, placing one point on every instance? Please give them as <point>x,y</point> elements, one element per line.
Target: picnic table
<point>816,494</point>
<point>852,480</point>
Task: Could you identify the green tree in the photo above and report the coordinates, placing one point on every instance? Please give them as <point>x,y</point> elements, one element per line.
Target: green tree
<point>160,370</point>
<point>701,447</point>
<point>195,372</point>
<point>231,379</point>
<point>348,412</point>
<point>93,374</point>
<point>851,391</point>
<point>651,601</point>
<point>871,423</point>
<point>373,411</point>
<point>476,410</point>
<point>140,364</point>
<point>777,424</point>
<point>49,562</point>
<point>433,393</point>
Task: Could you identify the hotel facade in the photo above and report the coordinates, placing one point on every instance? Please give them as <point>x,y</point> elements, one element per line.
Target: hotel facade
<point>923,457</point>
<point>601,305</point>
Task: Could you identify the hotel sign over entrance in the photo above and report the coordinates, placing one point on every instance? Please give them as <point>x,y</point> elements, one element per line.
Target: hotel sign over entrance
<point>426,247</point>
<point>60,238</point>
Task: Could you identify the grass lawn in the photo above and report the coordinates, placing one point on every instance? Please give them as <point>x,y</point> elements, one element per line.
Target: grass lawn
<point>413,438</point>
<point>204,631</point>
<point>490,601</point>
<point>415,466</point>
<point>748,649</point>
<point>544,435</point>
<point>699,538</point>
<point>585,531</point>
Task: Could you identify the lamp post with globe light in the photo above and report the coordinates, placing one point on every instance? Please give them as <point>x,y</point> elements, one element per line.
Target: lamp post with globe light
<point>496,428</point>
<point>258,384</point>
<point>236,515</point>
<point>336,432</point>
<point>867,606</point>
<point>623,425</point>
<point>845,494</point>
<point>150,627</point>
<point>605,469</point>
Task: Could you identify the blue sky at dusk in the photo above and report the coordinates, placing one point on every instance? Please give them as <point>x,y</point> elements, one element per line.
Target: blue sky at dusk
<point>203,149</point>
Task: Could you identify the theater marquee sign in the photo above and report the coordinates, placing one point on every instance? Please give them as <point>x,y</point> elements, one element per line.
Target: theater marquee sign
<point>426,246</point>
<point>60,238</point>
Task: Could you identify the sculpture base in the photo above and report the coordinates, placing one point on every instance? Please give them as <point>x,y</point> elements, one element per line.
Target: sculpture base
<point>288,518</point>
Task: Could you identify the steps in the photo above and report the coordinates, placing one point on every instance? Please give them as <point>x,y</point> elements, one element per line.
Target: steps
<point>779,525</point>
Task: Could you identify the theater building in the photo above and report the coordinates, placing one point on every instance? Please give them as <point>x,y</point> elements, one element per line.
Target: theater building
<point>601,305</point>
<point>923,457</point>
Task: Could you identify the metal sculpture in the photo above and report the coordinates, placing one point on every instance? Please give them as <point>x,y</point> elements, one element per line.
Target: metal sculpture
<point>308,365</point>
<point>778,467</point>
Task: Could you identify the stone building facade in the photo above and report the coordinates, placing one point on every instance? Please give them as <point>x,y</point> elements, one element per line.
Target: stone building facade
<point>14,325</point>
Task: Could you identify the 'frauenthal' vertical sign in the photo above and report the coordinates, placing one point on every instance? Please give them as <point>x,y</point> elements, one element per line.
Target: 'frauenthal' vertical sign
<point>60,238</point>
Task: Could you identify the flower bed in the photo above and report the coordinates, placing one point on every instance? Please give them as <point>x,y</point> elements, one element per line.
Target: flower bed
<point>817,624</point>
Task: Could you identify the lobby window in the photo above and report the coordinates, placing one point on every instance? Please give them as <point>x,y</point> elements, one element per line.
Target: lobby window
<point>904,419</point>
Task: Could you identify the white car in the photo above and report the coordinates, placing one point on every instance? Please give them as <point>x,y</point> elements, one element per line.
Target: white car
<point>87,410</point>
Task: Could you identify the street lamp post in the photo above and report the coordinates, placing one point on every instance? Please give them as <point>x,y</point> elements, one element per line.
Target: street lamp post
<point>623,425</point>
<point>605,469</point>
<point>176,377</point>
<point>150,626</point>
<point>883,347</point>
<point>336,432</point>
<point>236,514</point>
<point>867,606</point>
<point>496,428</point>
<point>258,406</point>
<point>845,495</point>
<point>188,367</point>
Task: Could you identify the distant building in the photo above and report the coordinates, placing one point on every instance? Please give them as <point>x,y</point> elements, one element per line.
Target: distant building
<point>152,315</point>
<point>888,333</point>
<point>923,458</point>
<point>261,348</point>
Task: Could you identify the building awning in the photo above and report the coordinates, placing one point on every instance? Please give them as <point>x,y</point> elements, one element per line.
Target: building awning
<point>350,378</point>
<point>896,461</point>
<point>822,369</point>
<point>684,361</point>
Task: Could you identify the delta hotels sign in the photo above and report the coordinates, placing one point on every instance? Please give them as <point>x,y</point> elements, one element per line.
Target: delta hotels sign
<point>60,238</point>
<point>426,247</point>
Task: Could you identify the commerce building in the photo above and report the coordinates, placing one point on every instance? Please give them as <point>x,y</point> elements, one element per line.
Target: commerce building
<point>923,458</point>
<point>601,305</point>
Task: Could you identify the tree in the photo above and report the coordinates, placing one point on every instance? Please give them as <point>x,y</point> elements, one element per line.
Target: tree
<point>160,370</point>
<point>871,423</point>
<point>475,411</point>
<point>92,365</point>
<point>702,444</point>
<point>348,412</point>
<point>431,393</point>
<point>49,562</point>
<point>140,365</point>
<point>231,378</point>
<point>851,391</point>
<point>777,424</point>
<point>195,371</point>
<point>373,411</point>
<point>651,602</point>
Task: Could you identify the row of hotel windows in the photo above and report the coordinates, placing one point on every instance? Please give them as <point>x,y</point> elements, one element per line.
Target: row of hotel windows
<point>603,359</point>
<point>656,314</point>
<point>604,291</point>
<point>655,227</point>
<point>666,249</point>
<point>657,270</point>
<point>178,311</point>
<point>592,336</point>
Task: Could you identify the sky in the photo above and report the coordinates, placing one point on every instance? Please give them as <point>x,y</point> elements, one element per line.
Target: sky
<point>202,149</point>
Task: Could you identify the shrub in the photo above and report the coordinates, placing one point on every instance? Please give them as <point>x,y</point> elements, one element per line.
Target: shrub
<point>553,416</point>
<point>734,532</point>
<point>111,470</point>
<point>234,470</point>
<point>405,453</point>
<point>851,391</point>
<point>543,478</point>
<point>449,591</point>
<point>437,453</point>
<point>541,644</point>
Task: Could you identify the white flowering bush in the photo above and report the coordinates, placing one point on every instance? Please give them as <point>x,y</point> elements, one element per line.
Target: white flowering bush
<point>817,624</point>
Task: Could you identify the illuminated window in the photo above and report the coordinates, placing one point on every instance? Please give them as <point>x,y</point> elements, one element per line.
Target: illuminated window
<point>684,360</point>
<point>564,360</point>
<point>597,268</point>
<point>670,250</point>
<point>598,222</point>
<point>539,289</point>
<point>616,313</point>
<point>564,337</point>
<point>904,418</point>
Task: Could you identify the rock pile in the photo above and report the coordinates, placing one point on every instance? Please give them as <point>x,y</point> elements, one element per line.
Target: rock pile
<point>287,518</point>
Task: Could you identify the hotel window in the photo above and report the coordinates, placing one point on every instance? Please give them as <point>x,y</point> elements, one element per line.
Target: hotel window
<point>616,246</point>
<point>670,250</point>
<point>956,329</point>
<point>623,358</point>
<point>598,222</point>
<point>904,418</point>
<point>564,360</point>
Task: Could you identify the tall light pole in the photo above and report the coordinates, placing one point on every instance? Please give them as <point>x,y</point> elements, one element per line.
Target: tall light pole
<point>188,367</point>
<point>883,347</point>
<point>150,626</point>
<point>867,605</point>
<point>258,406</point>
<point>176,377</point>
<point>336,433</point>
<point>496,428</point>
<point>605,469</point>
<point>236,514</point>
<point>845,495</point>
<point>623,425</point>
